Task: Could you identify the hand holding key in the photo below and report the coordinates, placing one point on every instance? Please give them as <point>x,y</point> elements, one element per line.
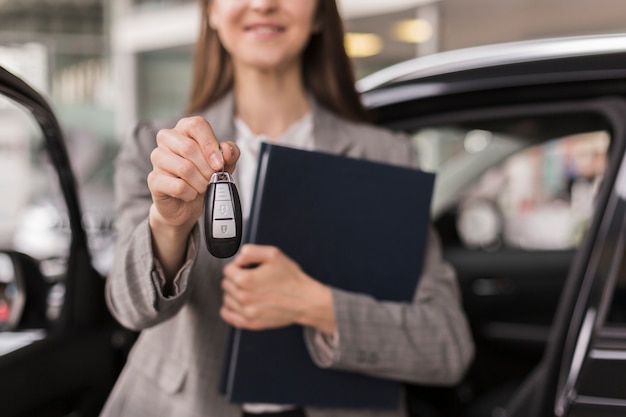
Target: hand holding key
<point>183,162</point>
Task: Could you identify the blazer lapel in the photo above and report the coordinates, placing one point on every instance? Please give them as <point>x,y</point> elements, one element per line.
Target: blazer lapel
<point>221,116</point>
<point>328,131</point>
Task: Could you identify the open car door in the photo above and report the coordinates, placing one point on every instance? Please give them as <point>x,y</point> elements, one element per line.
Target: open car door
<point>60,349</point>
<point>583,371</point>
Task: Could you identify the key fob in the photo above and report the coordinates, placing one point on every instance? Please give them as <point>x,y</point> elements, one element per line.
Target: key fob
<point>222,216</point>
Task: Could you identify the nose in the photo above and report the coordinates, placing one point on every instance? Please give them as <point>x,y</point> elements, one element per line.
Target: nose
<point>264,5</point>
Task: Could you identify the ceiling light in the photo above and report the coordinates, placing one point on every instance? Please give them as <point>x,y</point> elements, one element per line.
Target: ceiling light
<point>413,30</point>
<point>361,45</point>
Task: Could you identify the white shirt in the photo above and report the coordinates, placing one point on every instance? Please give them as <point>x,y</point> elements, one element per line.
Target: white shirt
<point>299,135</point>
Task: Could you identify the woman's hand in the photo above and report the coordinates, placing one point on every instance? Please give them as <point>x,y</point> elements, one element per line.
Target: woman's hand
<point>273,293</point>
<point>183,162</point>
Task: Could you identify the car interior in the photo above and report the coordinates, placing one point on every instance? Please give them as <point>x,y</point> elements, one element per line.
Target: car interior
<point>511,229</point>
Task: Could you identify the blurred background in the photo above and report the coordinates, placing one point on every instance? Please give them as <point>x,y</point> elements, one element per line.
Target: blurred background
<point>104,64</point>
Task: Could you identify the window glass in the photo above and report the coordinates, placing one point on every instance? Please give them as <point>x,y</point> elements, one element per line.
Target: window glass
<point>33,215</point>
<point>506,192</point>
<point>164,81</point>
<point>153,4</point>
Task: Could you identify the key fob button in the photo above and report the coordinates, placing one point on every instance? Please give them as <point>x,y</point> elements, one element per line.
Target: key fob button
<point>223,229</point>
<point>223,210</point>
<point>222,192</point>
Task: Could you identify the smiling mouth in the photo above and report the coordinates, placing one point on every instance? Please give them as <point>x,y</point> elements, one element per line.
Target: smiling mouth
<point>265,29</point>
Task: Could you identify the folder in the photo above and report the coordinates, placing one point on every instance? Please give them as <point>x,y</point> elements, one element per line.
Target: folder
<point>352,224</point>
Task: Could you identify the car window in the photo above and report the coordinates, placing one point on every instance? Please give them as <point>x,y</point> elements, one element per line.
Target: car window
<point>507,192</point>
<point>33,219</point>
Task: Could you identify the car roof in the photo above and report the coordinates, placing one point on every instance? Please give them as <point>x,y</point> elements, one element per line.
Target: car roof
<point>505,64</point>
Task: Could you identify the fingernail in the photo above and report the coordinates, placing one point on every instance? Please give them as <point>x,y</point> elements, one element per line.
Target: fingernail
<point>215,161</point>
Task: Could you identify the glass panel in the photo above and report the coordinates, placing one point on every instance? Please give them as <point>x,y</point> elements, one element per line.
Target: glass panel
<point>164,80</point>
<point>33,216</point>
<point>508,193</point>
<point>153,4</point>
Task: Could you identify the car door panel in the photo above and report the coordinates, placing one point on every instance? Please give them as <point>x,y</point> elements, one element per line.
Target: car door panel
<point>60,375</point>
<point>515,287</point>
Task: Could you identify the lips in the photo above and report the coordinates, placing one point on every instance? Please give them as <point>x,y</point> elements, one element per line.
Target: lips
<point>264,28</point>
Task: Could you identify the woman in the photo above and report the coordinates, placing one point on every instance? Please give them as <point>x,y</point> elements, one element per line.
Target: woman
<point>270,70</point>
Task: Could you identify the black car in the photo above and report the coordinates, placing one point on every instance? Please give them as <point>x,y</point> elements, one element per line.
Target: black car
<point>528,141</point>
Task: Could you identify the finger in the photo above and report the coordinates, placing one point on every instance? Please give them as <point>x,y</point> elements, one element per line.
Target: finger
<point>244,316</point>
<point>166,185</point>
<point>230,270</point>
<point>186,148</point>
<point>242,278</point>
<point>198,129</point>
<point>231,303</point>
<point>233,318</point>
<point>231,153</point>
<point>251,254</point>
<point>229,286</point>
<point>169,163</point>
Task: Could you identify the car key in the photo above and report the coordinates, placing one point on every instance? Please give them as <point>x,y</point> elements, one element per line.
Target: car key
<point>222,216</point>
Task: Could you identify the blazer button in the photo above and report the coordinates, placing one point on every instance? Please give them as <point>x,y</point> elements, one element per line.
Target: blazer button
<point>373,359</point>
<point>361,356</point>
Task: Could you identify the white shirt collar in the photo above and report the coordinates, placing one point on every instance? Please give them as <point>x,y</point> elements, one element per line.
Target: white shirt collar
<point>299,135</point>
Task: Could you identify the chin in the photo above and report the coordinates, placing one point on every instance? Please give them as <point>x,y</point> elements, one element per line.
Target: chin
<point>268,63</point>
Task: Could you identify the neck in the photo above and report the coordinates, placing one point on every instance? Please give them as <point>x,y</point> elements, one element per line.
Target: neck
<point>269,102</point>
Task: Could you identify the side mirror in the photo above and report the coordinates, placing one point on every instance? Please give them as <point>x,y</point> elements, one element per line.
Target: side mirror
<point>23,292</point>
<point>12,292</point>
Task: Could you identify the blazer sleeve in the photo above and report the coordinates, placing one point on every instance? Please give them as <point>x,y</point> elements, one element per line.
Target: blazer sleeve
<point>427,341</point>
<point>134,286</point>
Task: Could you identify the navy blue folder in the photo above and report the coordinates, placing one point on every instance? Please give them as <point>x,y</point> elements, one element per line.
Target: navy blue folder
<point>352,224</point>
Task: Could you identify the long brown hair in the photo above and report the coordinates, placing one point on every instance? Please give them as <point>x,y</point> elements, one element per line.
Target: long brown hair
<point>327,71</point>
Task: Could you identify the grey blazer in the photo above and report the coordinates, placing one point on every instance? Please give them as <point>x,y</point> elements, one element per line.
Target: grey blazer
<point>174,367</point>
